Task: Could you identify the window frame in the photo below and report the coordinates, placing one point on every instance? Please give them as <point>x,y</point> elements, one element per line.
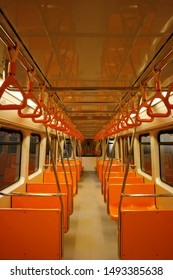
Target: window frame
<point>18,154</point>
<point>109,147</point>
<point>91,148</point>
<point>140,147</point>
<point>37,154</point>
<point>170,131</point>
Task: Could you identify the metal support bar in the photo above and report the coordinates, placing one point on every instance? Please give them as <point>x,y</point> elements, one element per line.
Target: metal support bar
<point>63,166</point>
<point>58,186</point>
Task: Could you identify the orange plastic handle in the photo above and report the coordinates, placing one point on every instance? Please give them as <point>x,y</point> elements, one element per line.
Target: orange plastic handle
<point>46,114</point>
<point>130,121</point>
<point>30,95</point>
<point>144,104</point>
<point>158,95</point>
<point>45,119</point>
<point>170,89</point>
<point>11,81</point>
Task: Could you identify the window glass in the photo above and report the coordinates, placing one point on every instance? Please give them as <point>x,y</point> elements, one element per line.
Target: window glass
<point>126,150</point>
<point>119,148</point>
<point>110,152</point>
<point>10,157</point>
<point>34,153</point>
<point>48,159</point>
<point>145,153</point>
<point>166,157</point>
<point>68,148</point>
<point>89,148</point>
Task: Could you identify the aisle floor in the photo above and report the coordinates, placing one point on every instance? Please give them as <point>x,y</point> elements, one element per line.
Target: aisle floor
<point>92,234</point>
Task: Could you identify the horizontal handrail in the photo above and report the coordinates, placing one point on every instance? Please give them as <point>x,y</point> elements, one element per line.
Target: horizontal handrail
<point>47,165</point>
<point>146,195</point>
<point>31,194</point>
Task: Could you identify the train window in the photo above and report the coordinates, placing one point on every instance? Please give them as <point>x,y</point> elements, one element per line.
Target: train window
<point>67,148</point>
<point>126,149</point>
<point>166,156</point>
<point>89,148</point>
<point>10,157</point>
<point>34,153</point>
<point>110,152</point>
<point>119,148</point>
<point>145,153</point>
<point>48,159</point>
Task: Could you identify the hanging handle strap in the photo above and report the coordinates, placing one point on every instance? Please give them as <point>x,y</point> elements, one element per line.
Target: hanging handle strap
<point>144,106</point>
<point>46,116</point>
<point>31,96</point>
<point>158,96</point>
<point>131,117</point>
<point>170,90</point>
<point>11,81</point>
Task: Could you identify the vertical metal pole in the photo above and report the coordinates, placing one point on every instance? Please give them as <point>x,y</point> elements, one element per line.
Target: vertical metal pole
<point>65,174</point>
<point>74,157</point>
<point>110,160</point>
<point>124,183</point>
<point>58,187</point>
<point>68,160</point>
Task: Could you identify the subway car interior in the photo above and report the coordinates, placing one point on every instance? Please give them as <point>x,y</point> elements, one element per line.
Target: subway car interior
<point>86,130</point>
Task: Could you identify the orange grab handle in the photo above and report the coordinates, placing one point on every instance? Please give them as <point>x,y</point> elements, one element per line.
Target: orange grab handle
<point>158,95</point>
<point>130,120</point>
<point>144,104</point>
<point>9,81</point>
<point>43,120</point>
<point>170,89</point>
<point>52,123</point>
<point>127,121</point>
<point>30,95</point>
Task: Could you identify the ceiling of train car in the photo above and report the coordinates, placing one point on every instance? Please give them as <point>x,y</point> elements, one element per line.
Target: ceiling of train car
<point>92,52</point>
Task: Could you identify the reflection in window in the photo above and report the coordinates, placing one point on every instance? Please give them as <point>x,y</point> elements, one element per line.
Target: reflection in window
<point>145,153</point>
<point>53,141</point>
<point>10,156</point>
<point>34,153</point>
<point>166,156</point>
<point>110,149</point>
<point>89,148</point>
<point>126,150</point>
<point>67,148</point>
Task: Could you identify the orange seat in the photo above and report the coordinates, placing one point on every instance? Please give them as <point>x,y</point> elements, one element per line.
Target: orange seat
<point>78,165</point>
<point>51,188</point>
<point>119,180</point>
<point>49,178</point>
<point>114,193</point>
<point>114,174</point>
<point>45,202</point>
<point>116,166</point>
<point>29,233</point>
<point>146,234</point>
<point>72,181</point>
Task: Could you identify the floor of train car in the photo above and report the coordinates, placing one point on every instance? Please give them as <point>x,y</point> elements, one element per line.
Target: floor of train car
<point>92,234</point>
